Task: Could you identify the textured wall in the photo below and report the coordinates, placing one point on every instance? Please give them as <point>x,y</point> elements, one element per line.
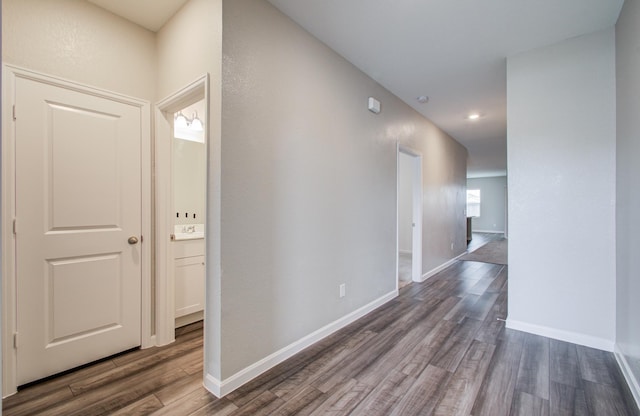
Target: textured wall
<point>561,158</point>
<point>628,192</point>
<point>492,203</point>
<point>189,46</point>
<point>309,185</point>
<point>81,42</point>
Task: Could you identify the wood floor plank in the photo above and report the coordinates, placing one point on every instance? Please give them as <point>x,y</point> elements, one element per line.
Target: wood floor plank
<point>493,324</point>
<point>147,352</point>
<point>562,399</point>
<point>526,404</point>
<point>265,404</point>
<point>54,385</point>
<point>423,396</point>
<point>594,365</point>
<point>187,404</point>
<point>191,349</point>
<point>320,366</point>
<point>459,312</point>
<point>438,348</point>
<point>498,283</point>
<point>456,345</point>
<point>142,407</point>
<point>386,395</point>
<point>603,399</point>
<point>403,347</point>
<point>179,389</point>
<point>117,395</point>
<point>38,404</point>
<point>564,366</point>
<point>498,387</point>
<point>302,403</point>
<point>222,407</point>
<point>533,373</point>
<point>580,404</point>
<point>480,310</point>
<point>343,398</point>
<point>463,386</point>
<point>415,362</point>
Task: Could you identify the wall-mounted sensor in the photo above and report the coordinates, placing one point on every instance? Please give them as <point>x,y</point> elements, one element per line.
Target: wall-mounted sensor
<point>374,105</point>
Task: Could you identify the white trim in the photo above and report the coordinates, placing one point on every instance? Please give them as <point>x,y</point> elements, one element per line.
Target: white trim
<point>9,75</point>
<point>632,381</point>
<point>417,211</point>
<point>559,334</point>
<point>222,388</point>
<point>147,338</point>
<point>440,268</point>
<point>9,359</point>
<point>487,231</point>
<point>165,279</point>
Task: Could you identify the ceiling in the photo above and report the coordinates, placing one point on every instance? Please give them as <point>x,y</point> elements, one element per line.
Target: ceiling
<point>453,51</point>
<point>150,14</point>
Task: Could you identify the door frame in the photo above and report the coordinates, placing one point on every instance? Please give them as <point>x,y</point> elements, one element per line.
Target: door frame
<point>9,297</point>
<point>165,262</point>
<point>416,231</point>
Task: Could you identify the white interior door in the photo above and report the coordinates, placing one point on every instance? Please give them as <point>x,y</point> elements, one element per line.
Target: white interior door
<point>78,213</point>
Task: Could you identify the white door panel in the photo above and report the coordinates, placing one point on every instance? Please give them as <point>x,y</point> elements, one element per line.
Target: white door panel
<point>78,200</point>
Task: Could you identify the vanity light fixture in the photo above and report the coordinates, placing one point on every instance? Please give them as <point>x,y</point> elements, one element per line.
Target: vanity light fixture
<point>183,122</point>
<point>473,116</point>
<point>196,123</point>
<point>185,128</point>
<point>180,120</point>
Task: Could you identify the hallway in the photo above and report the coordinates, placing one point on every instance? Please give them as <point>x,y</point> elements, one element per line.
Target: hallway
<point>438,348</point>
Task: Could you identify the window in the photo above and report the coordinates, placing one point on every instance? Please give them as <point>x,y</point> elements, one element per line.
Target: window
<point>473,202</point>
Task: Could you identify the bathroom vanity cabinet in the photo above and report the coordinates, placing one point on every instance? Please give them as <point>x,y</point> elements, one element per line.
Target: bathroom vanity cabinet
<point>189,281</point>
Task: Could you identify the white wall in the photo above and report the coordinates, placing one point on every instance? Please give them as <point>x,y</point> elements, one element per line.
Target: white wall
<point>492,203</point>
<point>628,192</point>
<point>561,158</point>
<point>199,24</point>
<point>405,203</point>
<point>189,181</point>
<point>79,41</point>
<point>309,185</point>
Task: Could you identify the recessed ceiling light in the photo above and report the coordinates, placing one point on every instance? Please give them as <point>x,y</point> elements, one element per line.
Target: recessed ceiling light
<point>474,116</point>
<point>423,99</point>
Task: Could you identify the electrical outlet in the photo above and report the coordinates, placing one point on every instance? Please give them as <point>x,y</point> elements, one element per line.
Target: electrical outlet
<point>343,290</point>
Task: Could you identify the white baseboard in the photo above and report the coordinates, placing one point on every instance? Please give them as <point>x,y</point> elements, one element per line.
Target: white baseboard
<point>632,381</point>
<point>440,268</point>
<point>568,336</point>
<point>189,319</point>
<point>224,387</point>
<point>488,231</point>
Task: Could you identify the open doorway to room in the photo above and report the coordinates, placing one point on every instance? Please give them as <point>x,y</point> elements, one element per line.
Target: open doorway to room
<point>409,216</point>
<point>181,167</point>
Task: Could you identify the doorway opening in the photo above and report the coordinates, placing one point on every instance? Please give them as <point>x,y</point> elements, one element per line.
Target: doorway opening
<point>409,219</point>
<point>182,126</point>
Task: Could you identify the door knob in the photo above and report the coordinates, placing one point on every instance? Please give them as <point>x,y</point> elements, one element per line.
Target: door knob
<point>133,240</point>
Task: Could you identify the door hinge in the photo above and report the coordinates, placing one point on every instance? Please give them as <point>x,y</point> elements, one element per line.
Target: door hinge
<point>15,229</point>
<point>14,112</point>
<point>15,340</point>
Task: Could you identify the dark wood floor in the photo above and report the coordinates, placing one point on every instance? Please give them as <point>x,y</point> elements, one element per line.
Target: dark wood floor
<point>439,348</point>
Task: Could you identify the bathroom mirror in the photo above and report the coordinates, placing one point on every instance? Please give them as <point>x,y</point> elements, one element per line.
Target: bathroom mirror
<point>189,172</point>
